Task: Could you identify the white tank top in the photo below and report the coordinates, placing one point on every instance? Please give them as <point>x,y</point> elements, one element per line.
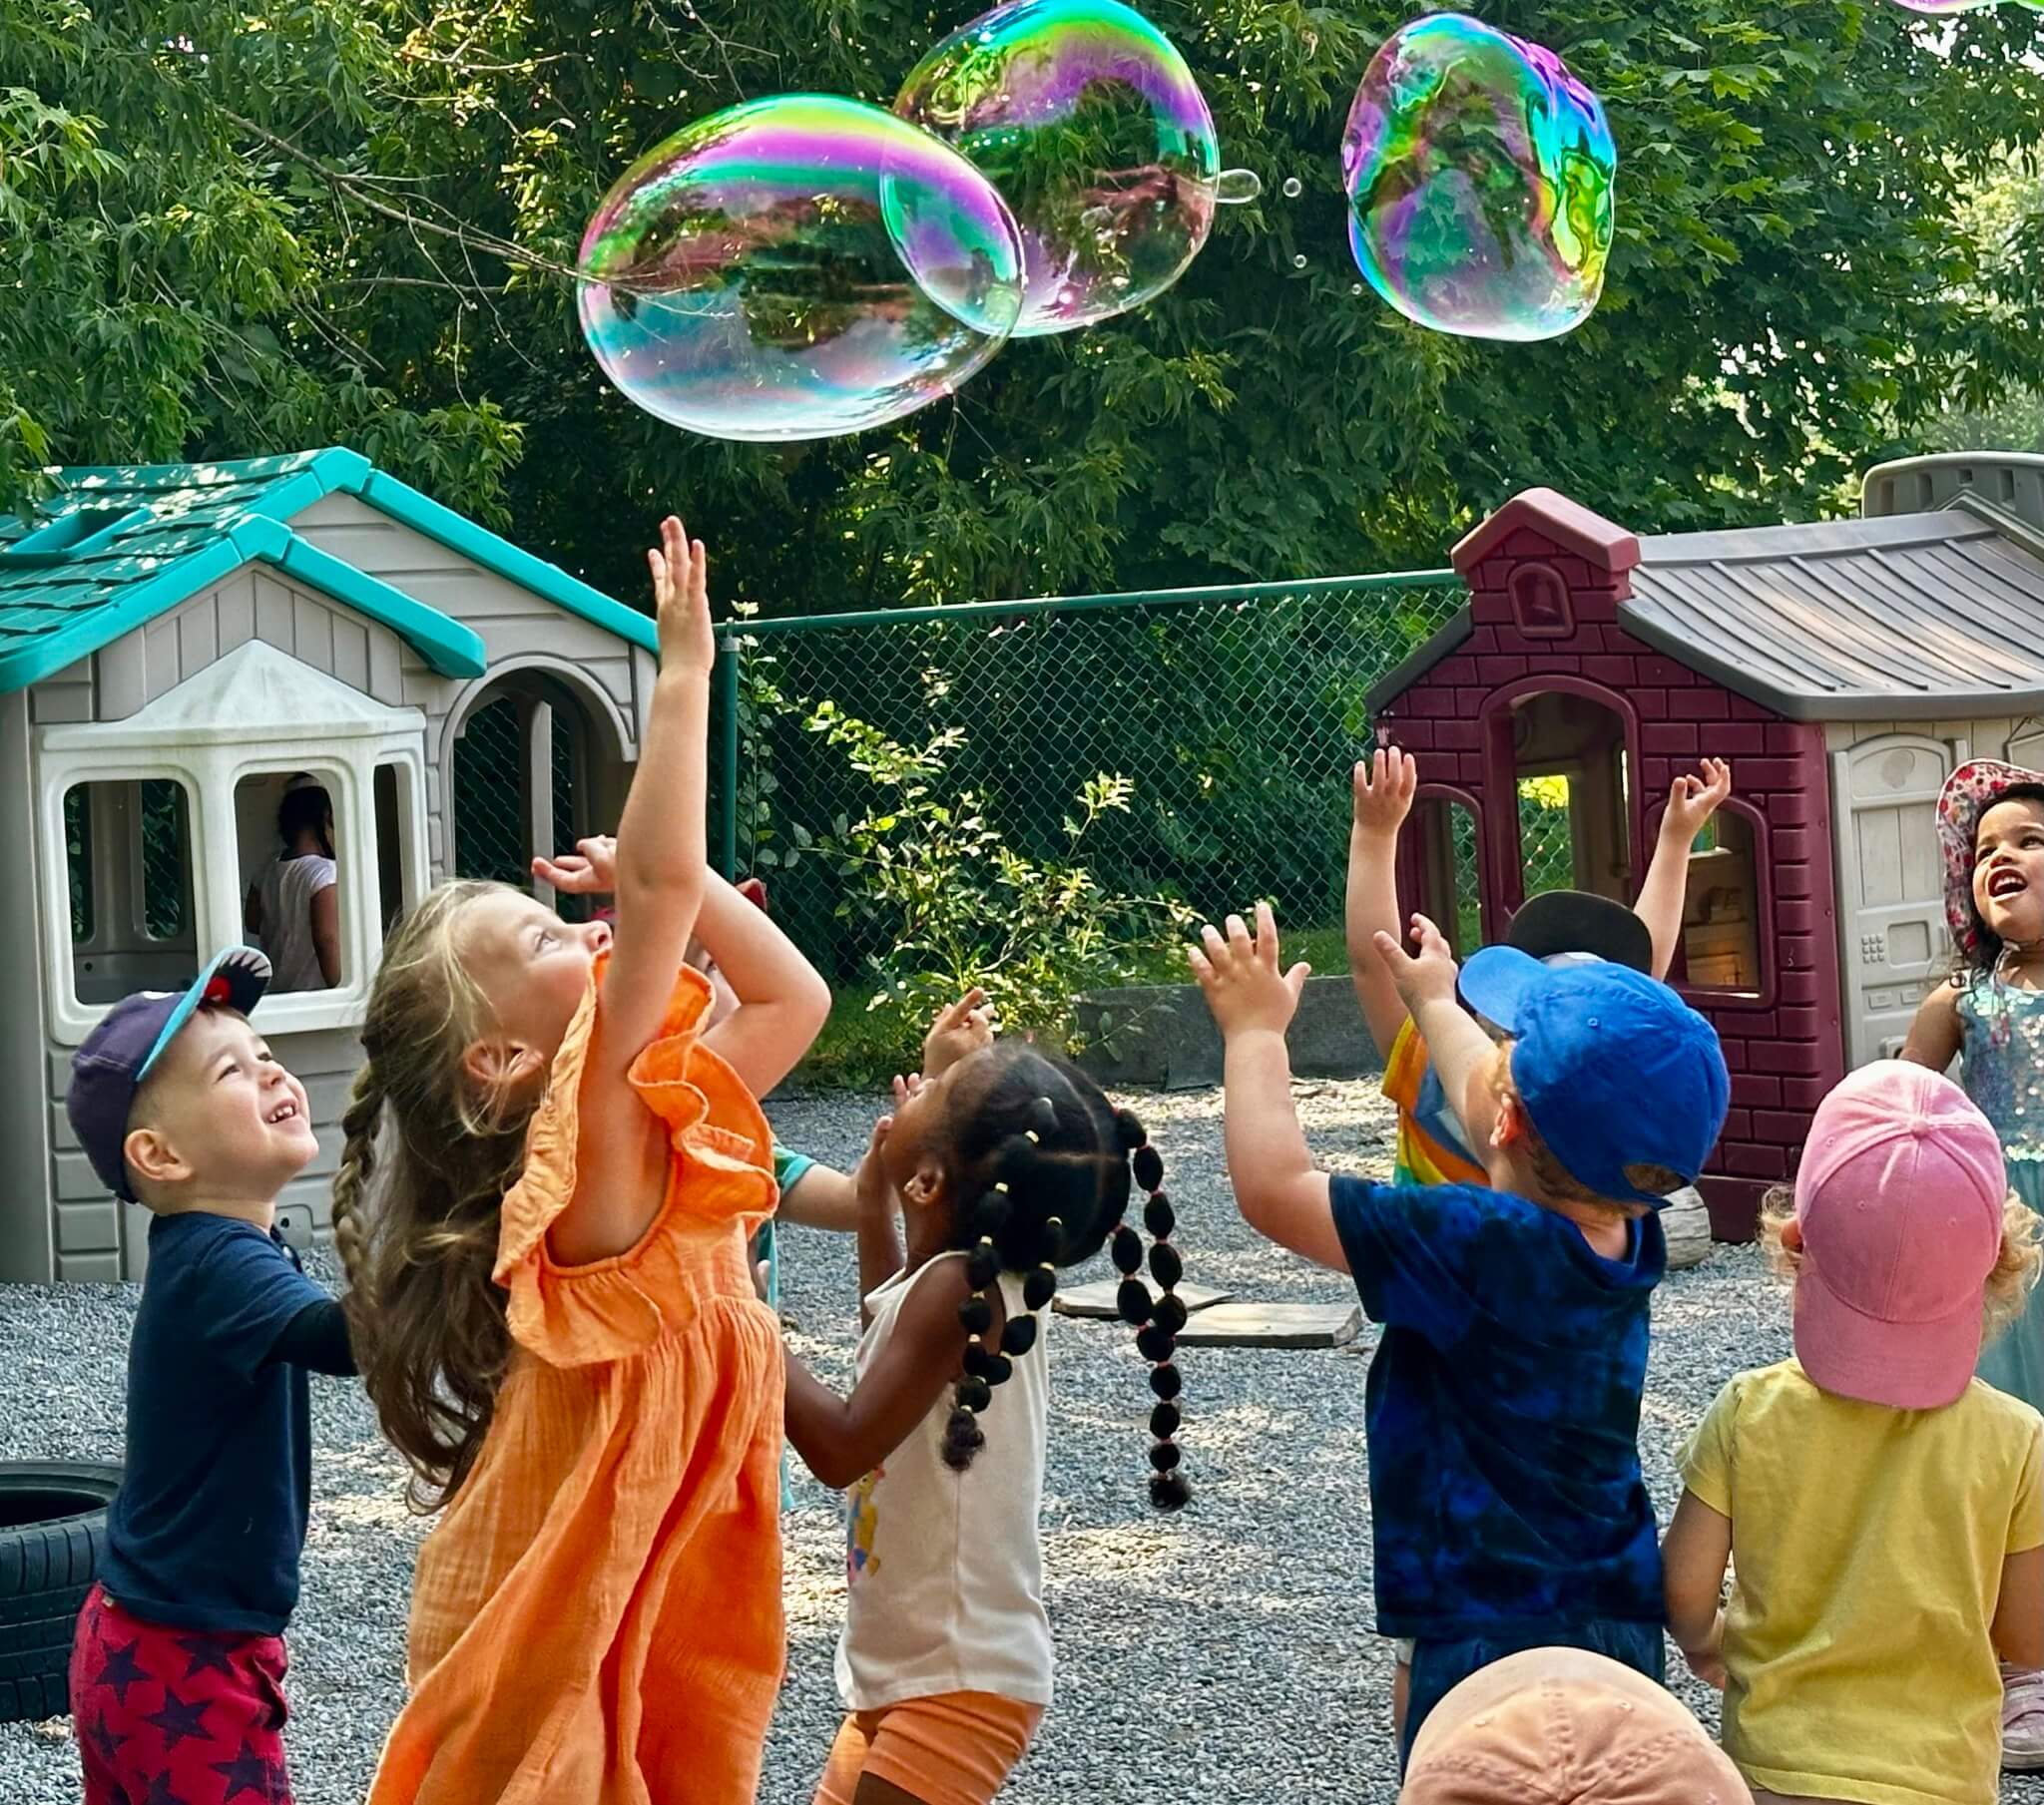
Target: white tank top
<point>288,887</point>
<point>945,1569</point>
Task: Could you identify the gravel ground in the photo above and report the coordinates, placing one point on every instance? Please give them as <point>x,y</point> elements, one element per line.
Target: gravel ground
<point>1232,1643</point>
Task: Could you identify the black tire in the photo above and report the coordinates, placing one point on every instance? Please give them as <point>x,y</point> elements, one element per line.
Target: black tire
<point>53,1526</point>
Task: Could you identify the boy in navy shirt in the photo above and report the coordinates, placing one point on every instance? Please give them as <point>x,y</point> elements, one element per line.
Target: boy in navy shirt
<point>1503,1403</point>
<point>177,1670</point>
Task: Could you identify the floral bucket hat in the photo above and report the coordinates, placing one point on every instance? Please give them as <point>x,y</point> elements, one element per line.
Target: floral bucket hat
<point>1968,793</point>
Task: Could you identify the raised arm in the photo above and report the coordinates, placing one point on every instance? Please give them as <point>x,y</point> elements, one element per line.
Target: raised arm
<point>661,870</point>
<point>1691,803</point>
<point>782,1001</point>
<point>1462,1054</point>
<point>1384,786</point>
<point>841,1439</point>
<point>1279,1192</point>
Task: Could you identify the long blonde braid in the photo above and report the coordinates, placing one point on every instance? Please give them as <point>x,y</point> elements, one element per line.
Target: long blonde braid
<point>428,1320</point>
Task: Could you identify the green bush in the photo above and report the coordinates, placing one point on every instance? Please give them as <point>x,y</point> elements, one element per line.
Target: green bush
<point>922,873</point>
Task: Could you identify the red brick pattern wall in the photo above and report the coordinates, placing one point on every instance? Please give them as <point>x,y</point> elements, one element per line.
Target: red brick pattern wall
<point>1786,1054</point>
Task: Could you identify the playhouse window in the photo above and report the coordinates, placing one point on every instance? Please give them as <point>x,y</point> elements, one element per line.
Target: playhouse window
<point>164,818</point>
<point>291,888</point>
<point>1721,938</point>
<point>1572,787</point>
<point>78,862</point>
<point>392,796</point>
<point>128,872</point>
<point>1450,870</point>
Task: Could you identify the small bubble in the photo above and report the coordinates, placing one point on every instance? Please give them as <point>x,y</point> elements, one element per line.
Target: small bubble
<point>1234,186</point>
<point>1294,187</point>
<point>1298,260</point>
<point>1355,288</point>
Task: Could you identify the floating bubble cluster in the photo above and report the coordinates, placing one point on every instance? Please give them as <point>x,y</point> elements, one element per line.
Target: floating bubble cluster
<point>1479,176</point>
<point>797,267</point>
<point>1087,120</point>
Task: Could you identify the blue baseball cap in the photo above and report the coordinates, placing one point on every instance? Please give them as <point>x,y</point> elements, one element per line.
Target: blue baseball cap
<point>1614,1069</point>
<point>108,1069</point>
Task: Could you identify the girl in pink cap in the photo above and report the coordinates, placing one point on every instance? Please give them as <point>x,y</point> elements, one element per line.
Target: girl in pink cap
<point>1883,1508</point>
<point>1990,831</point>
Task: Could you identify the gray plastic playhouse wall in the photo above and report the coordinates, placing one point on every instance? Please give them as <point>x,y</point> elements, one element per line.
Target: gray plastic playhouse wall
<point>56,1220</point>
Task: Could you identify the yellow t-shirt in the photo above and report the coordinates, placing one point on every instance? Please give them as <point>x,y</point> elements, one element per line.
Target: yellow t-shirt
<point>1867,1547</point>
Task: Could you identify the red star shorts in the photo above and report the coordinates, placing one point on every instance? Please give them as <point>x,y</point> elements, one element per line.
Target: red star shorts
<point>175,1716</point>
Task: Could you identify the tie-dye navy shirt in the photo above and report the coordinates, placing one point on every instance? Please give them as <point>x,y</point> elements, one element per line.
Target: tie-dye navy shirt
<point>1503,1412</point>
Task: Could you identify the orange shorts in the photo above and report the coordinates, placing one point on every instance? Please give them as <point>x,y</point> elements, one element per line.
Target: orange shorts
<point>956,1749</point>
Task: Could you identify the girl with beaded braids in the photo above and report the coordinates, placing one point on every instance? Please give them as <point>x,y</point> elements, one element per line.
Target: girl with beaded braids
<point>1007,1165</point>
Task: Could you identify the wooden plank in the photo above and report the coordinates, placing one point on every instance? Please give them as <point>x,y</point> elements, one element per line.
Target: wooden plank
<point>1095,1302</point>
<point>1274,1326</point>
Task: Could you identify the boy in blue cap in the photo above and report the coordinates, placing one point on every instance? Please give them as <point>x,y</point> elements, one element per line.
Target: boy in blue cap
<point>1503,1402</point>
<point>178,1664</point>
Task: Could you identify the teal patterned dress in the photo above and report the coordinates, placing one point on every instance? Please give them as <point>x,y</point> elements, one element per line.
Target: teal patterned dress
<point>2003,1037</point>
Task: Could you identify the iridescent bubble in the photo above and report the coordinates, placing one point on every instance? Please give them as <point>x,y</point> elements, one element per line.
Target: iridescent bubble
<point>1941,9</point>
<point>1479,176</point>
<point>1294,187</point>
<point>1075,108</point>
<point>798,267</point>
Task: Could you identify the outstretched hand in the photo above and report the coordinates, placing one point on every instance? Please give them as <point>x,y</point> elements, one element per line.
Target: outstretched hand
<point>1693,800</point>
<point>1425,976</point>
<point>960,1027</point>
<point>1239,976</point>
<point>870,1190</point>
<point>1384,786</point>
<point>681,599</point>
<point>590,870</point>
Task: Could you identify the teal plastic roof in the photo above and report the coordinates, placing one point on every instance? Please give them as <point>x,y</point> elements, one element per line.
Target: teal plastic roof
<point>116,547</point>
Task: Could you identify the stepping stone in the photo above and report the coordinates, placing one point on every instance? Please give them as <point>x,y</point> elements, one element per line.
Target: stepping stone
<point>1274,1326</point>
<point>1097,1299</point>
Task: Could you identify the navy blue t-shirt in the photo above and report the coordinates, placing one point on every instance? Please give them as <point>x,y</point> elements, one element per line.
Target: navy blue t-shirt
<point>206,1528</point>
<point>1503,1412</point>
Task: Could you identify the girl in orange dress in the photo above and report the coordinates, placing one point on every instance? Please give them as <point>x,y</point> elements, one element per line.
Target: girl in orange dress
<point>553,1308</point>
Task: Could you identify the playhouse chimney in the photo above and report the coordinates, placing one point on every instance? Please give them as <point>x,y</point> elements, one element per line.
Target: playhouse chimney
<point>2012,481</point>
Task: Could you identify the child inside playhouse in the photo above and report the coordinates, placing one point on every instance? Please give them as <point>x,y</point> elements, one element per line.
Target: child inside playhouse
<point>1990,830</point>
<point>554,1307</point>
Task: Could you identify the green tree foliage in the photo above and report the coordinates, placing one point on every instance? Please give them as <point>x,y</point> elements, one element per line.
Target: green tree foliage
<point>172,288</point>
<point>227,231</point>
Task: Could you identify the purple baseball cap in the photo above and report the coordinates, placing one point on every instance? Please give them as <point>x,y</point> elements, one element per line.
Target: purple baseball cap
<point>117,1055</point>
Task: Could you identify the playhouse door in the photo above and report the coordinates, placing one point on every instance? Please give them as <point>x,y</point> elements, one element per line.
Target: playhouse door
<point>1890,886</point>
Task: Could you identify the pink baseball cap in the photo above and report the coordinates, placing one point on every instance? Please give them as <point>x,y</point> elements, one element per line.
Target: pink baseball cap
<point>1899,1197</point>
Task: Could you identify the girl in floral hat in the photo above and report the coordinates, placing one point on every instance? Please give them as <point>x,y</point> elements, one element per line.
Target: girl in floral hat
<point>1990,830</point>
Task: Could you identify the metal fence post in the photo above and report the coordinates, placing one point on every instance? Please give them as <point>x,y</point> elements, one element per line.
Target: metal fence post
<point>728,758</point>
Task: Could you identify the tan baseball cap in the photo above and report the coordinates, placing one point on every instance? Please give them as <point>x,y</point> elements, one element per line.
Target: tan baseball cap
<point>1561,1726</point>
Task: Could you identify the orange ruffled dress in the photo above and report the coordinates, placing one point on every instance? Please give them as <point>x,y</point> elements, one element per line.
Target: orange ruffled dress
<point>597,1618</point>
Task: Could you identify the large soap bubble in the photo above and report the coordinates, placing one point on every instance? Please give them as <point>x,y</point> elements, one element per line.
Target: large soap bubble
<point>1090,124</point>
<point>1479,176</point>
<point>797,267</point>
<point>1941,9</point>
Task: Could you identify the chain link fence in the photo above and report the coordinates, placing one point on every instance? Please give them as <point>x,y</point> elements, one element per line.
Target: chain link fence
<point>166,858</point>
<point>1186,749</point>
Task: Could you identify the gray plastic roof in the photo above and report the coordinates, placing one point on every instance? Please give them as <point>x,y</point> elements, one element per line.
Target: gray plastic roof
<point>1911,616</point>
